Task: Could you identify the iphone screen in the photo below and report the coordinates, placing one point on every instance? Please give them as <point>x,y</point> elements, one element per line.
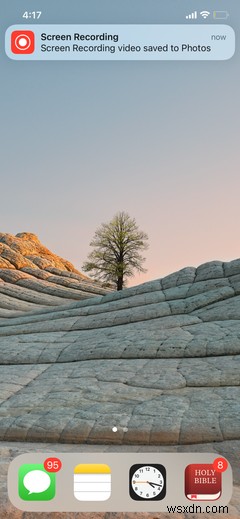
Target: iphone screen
<point>119,269</point>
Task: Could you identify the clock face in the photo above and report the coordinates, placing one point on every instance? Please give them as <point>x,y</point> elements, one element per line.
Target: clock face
<point>147,482</point>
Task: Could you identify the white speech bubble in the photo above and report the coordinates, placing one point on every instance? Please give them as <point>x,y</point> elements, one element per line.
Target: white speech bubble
<point>36,481</point>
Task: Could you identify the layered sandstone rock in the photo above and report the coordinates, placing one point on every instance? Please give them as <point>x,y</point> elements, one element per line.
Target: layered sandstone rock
<point>147,358</point>
<point>32,277</point>
<point>160,360</point>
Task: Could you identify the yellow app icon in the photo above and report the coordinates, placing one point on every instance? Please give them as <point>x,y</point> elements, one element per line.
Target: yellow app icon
<point>92,482</point>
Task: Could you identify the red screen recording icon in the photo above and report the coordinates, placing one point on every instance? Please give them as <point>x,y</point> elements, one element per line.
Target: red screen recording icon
<point>22,42</point>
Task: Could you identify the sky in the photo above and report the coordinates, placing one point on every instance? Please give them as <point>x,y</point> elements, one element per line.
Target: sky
<point>159,140</point>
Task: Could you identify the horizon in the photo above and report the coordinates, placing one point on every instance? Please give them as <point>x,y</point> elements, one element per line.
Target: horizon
<point>135,280</point>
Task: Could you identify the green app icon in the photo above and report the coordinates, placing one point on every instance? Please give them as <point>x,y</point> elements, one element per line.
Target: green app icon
<point>35,483</point>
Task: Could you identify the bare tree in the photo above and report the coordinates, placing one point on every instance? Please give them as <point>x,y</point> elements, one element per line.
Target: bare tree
<point>116,253</point>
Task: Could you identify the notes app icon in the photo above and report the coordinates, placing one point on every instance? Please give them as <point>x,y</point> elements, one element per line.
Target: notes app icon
<point>92,482</point>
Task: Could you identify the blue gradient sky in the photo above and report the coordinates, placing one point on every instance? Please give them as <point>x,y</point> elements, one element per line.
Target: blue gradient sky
<point>81,141</point>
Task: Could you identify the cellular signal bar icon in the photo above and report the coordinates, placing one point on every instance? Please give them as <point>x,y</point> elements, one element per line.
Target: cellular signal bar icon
<point>192,16</point>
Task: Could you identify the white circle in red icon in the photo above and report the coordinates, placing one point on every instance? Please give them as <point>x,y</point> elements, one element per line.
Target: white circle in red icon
<point>22,42</point>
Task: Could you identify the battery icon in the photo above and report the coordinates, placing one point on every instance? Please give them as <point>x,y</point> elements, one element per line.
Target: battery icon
<point>220,15</point>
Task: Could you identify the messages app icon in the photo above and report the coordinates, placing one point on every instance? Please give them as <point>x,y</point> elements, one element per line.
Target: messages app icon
<point>35,483</point>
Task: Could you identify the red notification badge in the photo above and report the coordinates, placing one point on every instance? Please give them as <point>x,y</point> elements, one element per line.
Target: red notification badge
<point>220,464</point>
<point>22,42</point>
<point>52,464</point>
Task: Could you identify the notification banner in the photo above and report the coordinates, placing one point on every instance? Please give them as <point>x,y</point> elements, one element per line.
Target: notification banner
<point>120,42</point>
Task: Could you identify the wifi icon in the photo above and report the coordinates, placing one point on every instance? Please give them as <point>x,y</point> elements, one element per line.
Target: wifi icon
<point>204,14</point>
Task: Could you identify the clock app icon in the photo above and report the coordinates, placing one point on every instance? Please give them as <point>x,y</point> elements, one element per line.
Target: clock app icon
<point>147,482</point>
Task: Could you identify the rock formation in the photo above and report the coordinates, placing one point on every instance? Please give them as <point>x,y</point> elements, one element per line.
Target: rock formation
<point>32,277</point>
<point>160,360</point>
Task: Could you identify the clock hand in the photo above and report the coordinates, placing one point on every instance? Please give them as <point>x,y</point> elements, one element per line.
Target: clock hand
<point>149,482</point>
